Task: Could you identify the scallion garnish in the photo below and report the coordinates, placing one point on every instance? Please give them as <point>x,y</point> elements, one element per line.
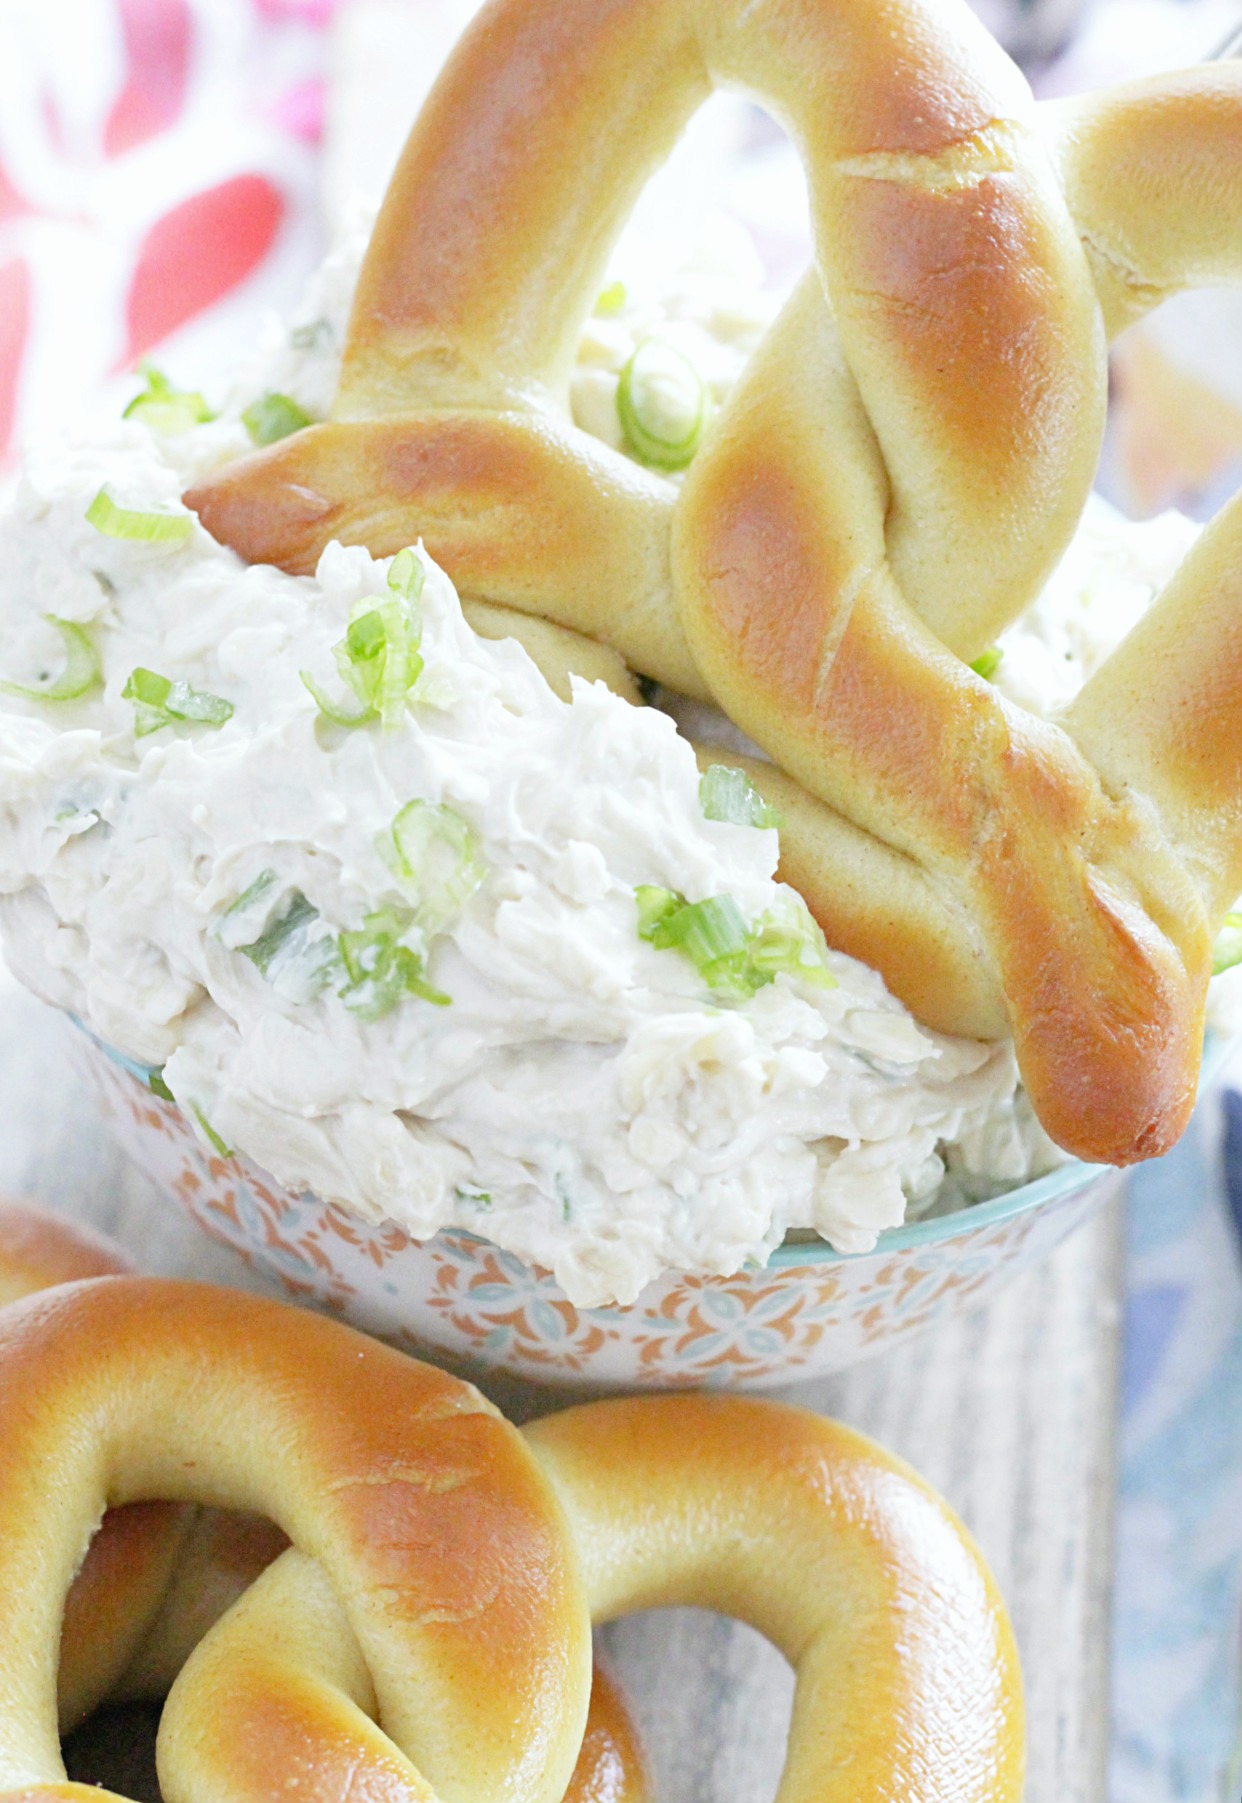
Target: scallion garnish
<point>165,409</point>
<point>610,300</point>
<point>662,405</point>
<point>147,528</point>
<point>379,657</point>
<point>245,920</point>
<point>730,955</point>
<point>988,662</point>
<point>478,1198</point>
<point>788,938</point>
<point>1227,947</point>
<point>728,794</point>
<point>82,671</point>
<point>381,971</point>
<point>340,713</point>
<point>297,954</point>
<point>158,1087</point>
<point>160,702</point>
<point>218,1146</point>
<point>435,856</point>
<point>273,417</point>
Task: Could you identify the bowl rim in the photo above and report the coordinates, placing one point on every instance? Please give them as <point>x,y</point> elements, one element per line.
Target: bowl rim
<point>1066,1180</point>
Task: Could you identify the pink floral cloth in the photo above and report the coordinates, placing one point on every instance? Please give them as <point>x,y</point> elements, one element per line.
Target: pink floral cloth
<point>158,182</point>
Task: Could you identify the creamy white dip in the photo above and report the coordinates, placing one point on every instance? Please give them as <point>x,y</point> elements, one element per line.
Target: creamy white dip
<point>584,1100</point>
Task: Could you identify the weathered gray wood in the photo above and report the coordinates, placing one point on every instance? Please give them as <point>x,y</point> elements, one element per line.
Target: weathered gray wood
<point>1008,1411</point>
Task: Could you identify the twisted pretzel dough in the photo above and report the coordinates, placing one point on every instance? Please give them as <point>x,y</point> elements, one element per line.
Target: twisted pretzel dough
<point>888,486</point>
<point>447,1547</point>
<point>158,1576</point>
<point>908,1679</point>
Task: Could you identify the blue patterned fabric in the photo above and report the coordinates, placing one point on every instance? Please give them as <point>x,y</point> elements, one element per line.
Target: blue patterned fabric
<point>1179,1550</point>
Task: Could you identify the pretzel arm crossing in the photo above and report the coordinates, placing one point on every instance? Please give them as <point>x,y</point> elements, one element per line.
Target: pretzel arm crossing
<point>417,1500</point>
<point>1154,175</point>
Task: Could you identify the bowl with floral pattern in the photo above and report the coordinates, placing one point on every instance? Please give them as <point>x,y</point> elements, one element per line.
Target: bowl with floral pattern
<point>460,1300</point>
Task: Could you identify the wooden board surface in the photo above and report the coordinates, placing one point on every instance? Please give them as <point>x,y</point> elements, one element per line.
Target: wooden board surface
<point>1009,1411</point>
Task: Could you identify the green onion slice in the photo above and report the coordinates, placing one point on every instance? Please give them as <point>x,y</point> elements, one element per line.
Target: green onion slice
<point>988,662</point>
<point>662,405</point>
<point>273,417</point>
<point>788,938</point>
<point>217,1145</point>
<point>165,409</point>
<point>82,672</point>
<point>406,576</point>
<point>340,713</point>
<point>728,794</point>
<point>433,853</point>
<point>655,906</point>
<point>297,954</point>
<point>379,658</point>
<point>1227,948</point>
<point>158,1087</point>
<point>140,528</point>
<point>245,920</point>
<point>381,971</point>
<point>730,955</point>
<point>160,702</point>
<point>610,300</point>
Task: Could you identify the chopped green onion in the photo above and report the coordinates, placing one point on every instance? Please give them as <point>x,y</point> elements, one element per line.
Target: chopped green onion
<point>246,919</point>
<point>217,1144</point>
<point>728,794</point>
<point>727,953</point>
<point>655,906</point>
<point>158,1087</point>
<point>479,1198</point>
<point>165,409</point>
<point>610,300</point>
<point>153,528</point>
<point>340,713</point>
<point>297,954</point>
<point>1227,949</point>
<point>788,938</point>
<point>988,662</point>
<point>406,576</point>
<point>662,406</point>
<point>432,852</point>
<point>378,658</point>
<point>273,417</point>
<point>160,702</point>
<point>383,972</point>
<point>82,671</point>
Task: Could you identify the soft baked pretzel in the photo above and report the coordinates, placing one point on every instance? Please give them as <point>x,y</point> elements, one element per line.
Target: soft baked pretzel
<point>907,1674</point>
<point>889,484</point>
<point>157,1576</point>
<point>445,1544</point>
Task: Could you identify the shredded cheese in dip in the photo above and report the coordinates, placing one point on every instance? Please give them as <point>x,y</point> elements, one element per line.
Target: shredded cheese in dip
<point>582,1098</point>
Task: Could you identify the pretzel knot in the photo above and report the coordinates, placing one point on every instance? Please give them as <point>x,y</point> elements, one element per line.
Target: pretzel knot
<point>428,1635</point>
<point>888,486</point>
<point>158,1576</point>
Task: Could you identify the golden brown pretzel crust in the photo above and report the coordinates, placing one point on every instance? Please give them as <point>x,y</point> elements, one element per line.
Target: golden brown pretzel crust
<point>158,1576</point>
<point>886,488</point>
<point>908,1680</point>
<point>447,1547</point>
